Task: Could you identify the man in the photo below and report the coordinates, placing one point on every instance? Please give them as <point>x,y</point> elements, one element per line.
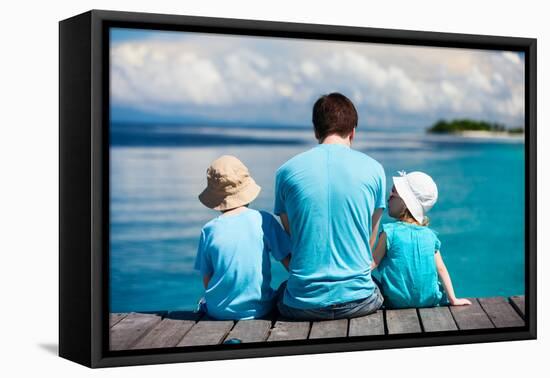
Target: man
<point>330,199</point>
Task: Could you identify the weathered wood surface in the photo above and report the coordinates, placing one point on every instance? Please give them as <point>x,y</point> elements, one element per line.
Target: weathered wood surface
<point>501,312</point>
<point>329,328</point>
<point>437,319</point>
<point>402,321</point>
<point>207,332</point>
<point>179,328</point>
<point>115,318</point>
<point>471,317</point>
<point>129,330</point>
<point>369,325</point>
<point>169,332</point>
<point>518,302</point>
<point>250,331</point>
<point>289,330</point>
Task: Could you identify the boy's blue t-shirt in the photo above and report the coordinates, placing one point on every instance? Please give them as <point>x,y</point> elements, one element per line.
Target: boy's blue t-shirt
<point>329,194</point>
<point>234,250</point>
<point>408,273</point>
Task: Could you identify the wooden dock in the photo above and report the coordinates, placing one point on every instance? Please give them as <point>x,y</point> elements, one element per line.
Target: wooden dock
<point>181,328</point>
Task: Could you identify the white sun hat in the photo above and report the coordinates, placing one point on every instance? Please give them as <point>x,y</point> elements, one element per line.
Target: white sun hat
<point>418,191</point>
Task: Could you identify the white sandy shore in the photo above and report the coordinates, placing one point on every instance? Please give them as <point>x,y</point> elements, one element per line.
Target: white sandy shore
<point>490,135</point>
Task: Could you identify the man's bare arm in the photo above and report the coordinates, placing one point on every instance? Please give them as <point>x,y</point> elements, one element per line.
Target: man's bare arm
<point>284,221</point>
<point>205,281</point>
<point>379,252</point>
<point>286,262</point>
<point>376,216</point>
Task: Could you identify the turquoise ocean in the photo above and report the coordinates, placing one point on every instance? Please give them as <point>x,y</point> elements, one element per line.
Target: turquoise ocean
<point>157,172</point>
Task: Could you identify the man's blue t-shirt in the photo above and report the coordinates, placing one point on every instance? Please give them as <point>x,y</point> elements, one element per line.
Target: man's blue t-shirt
<point>234,250</point>
<point>329,194</point>
<point>408,274</point>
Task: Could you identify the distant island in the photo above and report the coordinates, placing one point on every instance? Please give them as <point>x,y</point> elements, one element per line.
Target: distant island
<point>468,127</point>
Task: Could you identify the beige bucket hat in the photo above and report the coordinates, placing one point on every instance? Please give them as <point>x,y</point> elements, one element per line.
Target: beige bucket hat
<point>229,185</point>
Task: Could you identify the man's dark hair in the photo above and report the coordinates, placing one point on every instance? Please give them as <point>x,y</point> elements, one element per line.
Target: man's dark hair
<point>334,114</point>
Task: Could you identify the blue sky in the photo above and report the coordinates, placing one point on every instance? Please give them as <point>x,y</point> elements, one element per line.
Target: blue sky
<point>159,76</point>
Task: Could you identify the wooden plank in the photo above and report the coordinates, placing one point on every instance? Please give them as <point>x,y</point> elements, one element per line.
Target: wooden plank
<point>161,313</point>
<point>250,331</point>
<point>471,317</point>
<point>501,312</point>
<point>369,325</point>
<point>329,328</point>
<point>437,319</point>
<point>402,321</point>
<point>518,303</point>
<point>169,332</point>
<point>207,332</point>
<point>129,330</point>
<point>184,315</point>
<point>289,330</point>
<point>114,318</point>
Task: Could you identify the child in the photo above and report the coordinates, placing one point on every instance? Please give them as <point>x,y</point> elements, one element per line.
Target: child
<point>233,252</point>
<point>407,254</point>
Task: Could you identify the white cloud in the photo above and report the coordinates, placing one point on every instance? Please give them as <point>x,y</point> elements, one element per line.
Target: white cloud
<point>512,57</point>
<point>378,86</point>
<point>310,69</point>
<point>453,95</point>
<point>256,77</point>
<point>478,80</point>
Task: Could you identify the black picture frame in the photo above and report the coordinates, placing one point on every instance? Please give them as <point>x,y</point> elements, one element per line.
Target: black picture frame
<point>84,186</point>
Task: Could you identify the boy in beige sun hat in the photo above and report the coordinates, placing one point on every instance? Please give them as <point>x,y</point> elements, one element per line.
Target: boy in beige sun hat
<point>234,249</point>
<point>230,185</point>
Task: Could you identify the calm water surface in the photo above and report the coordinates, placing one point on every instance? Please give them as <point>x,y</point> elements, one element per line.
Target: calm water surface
<point>158,171</point>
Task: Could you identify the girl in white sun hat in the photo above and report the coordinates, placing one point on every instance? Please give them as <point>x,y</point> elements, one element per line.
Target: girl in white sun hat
<point>412,271</point>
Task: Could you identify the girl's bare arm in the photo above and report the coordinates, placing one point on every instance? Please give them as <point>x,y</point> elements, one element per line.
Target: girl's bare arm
<point>447,283</point>
<point>379,251</point>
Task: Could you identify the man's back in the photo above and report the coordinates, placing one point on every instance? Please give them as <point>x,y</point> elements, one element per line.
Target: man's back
<point>329,194</point>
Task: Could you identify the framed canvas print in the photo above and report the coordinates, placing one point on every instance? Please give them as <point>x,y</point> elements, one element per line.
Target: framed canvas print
<point>235,188</point>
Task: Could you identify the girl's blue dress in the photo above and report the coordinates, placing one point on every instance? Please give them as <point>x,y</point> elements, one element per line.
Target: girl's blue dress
<point>408,274</point>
